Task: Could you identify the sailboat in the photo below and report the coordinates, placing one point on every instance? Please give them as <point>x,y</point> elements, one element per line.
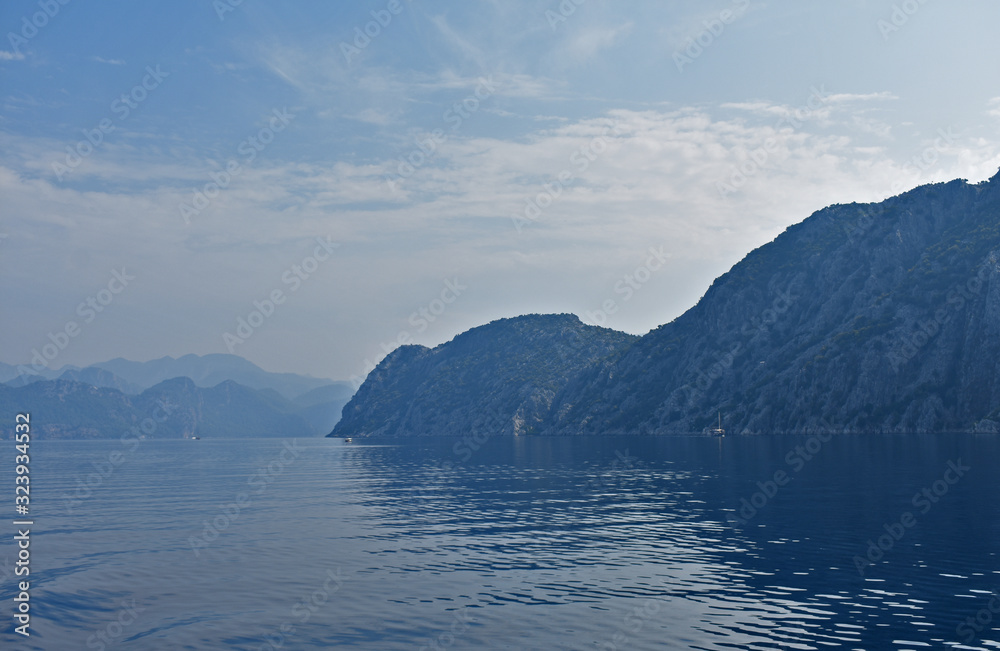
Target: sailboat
<point>718,431</point>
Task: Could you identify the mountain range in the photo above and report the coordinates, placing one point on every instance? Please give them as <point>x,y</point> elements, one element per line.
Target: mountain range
<point>862,318</point>
<point>207,396</point>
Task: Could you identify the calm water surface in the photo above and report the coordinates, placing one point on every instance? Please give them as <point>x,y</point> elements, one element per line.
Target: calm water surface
<point>616,543</point>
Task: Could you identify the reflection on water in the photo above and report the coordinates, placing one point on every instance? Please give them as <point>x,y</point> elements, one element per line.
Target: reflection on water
<point>616,543</point>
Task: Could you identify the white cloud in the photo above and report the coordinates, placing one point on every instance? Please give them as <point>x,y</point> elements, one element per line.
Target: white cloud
<point>112,62</point>
<point>994,107</point>
<point>826,110</point>
<point>866,97</point>
<point>11,56</point>
<point>654,179</point>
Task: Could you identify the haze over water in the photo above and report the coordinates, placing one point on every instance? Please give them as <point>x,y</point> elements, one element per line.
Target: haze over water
<point>617,543</point>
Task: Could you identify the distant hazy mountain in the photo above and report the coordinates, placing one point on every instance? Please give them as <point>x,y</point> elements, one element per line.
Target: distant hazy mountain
<point>498,378</point>
<point>204,370</point>
<point>99,377</point>
<point>322,407</point>
<point>13,375</point>
<point>870,318</point>
<point>210,370</point>
<point>218,395</point>
<point>175,408</point>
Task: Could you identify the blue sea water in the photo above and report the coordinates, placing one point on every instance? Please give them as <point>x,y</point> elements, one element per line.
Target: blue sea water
<point>512,543</point>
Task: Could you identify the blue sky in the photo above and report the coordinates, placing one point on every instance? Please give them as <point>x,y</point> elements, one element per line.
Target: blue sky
<point>462,161</point>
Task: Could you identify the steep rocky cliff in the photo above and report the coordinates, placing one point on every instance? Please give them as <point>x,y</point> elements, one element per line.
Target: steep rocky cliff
<point>863,317</point>
<point>876,317</point>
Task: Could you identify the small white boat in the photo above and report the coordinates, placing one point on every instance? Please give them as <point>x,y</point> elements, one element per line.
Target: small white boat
<point>348,440</point>
<point>718,431</point>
